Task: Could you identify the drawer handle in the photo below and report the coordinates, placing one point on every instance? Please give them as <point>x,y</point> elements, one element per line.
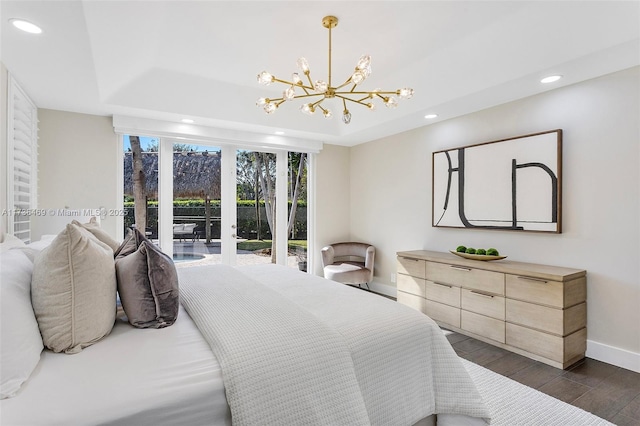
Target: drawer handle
<point>443,285</point>
<point>409,258</point>
<point>460,268</point>
<point>482,294</point>
<point>540,280</point>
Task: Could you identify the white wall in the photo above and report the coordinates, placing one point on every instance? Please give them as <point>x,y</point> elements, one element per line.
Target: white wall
<point>77,160</point>
<point>4,77</point>
<point>391,198</point>
<point>332,200</point>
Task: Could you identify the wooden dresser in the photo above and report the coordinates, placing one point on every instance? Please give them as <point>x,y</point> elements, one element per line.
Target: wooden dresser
<point>534,310</point>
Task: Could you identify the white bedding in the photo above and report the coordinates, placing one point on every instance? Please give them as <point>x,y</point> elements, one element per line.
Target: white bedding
<point>169,376</point>
<point>132,377</point>
<point>405,368</point>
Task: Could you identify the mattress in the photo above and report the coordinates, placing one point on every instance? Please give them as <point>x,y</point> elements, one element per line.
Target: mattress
<point>134,376</point>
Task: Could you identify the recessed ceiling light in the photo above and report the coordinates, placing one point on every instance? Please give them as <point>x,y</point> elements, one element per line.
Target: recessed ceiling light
<point>430,116</point>
<point>187,120</point>
<point>551,79</point>
<point>25,26</point>
<point>279,132</point>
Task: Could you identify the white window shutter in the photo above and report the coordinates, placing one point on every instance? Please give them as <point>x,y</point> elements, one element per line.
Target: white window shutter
<point>22,160</point>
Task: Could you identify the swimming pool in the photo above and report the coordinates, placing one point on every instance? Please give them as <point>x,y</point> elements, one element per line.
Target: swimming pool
<point>187,257</point>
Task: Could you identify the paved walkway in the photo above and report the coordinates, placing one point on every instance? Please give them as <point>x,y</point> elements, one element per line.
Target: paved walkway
<point>211,253</point>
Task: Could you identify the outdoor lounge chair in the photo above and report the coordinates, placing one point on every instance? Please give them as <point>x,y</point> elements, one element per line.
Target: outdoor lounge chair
<point>184,230</point>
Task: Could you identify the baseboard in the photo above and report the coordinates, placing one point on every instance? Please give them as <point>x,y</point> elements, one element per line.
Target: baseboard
<point>612,355</point>
<point>385,289</point>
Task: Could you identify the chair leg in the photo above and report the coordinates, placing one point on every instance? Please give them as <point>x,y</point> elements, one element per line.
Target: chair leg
<point>367,284</point>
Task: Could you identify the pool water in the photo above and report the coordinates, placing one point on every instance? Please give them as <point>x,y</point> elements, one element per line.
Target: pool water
<point>187,257</point>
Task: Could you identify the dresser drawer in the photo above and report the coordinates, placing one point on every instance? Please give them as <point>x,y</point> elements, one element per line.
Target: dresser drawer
<point>556,348</point>
<point>485,304</point>
<point>411,285</point>
<point>443,293</point>
<point>409,266</point>
<point>416,302</point>
<point>483,326</point>
<point>552,320</point>
<point>461,276</point>
<point>443,313</point>
<point>546,292</point>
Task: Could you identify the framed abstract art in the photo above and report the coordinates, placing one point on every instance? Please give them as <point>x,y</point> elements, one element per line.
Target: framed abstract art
<point>511,184</point>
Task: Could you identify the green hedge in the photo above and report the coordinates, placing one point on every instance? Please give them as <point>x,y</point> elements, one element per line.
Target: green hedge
<point>200,203</point>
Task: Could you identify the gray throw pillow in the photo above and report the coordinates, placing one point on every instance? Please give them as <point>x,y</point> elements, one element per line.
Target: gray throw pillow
<point>147,284</point>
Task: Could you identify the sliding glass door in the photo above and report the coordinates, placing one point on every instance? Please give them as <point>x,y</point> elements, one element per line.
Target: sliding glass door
<point>221,204</point>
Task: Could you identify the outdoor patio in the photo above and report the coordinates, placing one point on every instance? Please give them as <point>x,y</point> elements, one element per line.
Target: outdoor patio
<point>192,253</point>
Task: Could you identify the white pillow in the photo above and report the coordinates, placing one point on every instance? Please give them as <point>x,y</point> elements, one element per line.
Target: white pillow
<point>8,241</point>
<point>73,290</point>
<point>21,341</point>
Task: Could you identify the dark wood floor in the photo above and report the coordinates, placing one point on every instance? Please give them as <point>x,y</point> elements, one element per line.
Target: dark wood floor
<point>605,390</point>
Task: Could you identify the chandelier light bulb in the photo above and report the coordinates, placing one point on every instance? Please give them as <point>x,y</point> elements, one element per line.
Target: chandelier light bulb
<point>270,108</point>
<point>303,65</point>
<point>320,86</point>
<point>289,93</point>
<point>315,92</point>
<point>307,109</point>
<point>406,93</point>
<point>357,77</point>
<point>265,78</point>
<point>391,102</point>
<point>364,62</point>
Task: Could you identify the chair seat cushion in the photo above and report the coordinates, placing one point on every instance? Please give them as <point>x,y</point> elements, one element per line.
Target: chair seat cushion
<point>347,272</point>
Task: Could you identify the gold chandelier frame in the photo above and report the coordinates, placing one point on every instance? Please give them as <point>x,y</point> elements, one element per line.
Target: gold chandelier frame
<point>325,90</point>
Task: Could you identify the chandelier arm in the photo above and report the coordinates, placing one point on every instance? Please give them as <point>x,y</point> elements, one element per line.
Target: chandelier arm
<point>343,84</point>
<point>368,93</point>
<point>308,95</point>
<point>289,83</point>
<point>308,74</point>
<point>344,98</point>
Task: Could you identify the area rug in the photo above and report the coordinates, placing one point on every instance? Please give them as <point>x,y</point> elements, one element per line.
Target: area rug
<point>514,404</point>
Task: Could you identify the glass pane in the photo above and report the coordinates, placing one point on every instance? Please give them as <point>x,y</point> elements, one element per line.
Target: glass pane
<point>256,207</point>
<point>297,225</point>
<point>148,149</point>
<point>196,204</point>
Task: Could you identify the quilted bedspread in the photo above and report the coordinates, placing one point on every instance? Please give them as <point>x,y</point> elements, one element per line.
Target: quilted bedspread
<point>298,349</point>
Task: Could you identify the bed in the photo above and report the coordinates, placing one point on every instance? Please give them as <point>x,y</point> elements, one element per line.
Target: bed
<point>260,344</point>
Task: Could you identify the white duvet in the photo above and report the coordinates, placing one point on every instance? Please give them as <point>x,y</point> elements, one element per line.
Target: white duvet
<point>404,367</point>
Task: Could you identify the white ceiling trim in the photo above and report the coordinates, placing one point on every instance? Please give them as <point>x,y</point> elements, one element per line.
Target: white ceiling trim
<point>183,133</point>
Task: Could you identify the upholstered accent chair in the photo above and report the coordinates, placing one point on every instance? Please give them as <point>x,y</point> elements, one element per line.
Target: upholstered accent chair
<point>349,262</point>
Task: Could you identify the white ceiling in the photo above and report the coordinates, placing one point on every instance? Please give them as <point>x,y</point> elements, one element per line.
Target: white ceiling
<point>168,60</point>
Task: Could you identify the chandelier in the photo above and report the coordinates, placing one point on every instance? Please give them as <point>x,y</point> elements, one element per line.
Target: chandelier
<point>316,92</point>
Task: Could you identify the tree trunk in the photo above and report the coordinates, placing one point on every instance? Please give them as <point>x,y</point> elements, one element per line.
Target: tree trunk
<point>296,192</point>
<point>207,219</point>
<point>139,198</point>
<point>258,218</point>
<point>267,185</point>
